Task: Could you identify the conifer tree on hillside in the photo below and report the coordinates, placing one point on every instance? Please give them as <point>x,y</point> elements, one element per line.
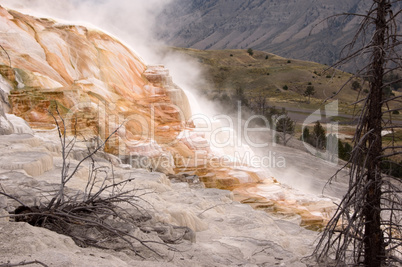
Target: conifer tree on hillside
<point>286,128</point>
<point>310,91</point>
<point>319,135</point>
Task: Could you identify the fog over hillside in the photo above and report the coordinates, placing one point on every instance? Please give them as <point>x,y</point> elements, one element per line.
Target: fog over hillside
<point>289,28</point>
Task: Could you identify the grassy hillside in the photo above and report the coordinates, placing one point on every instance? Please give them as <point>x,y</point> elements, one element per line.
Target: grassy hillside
<point>280,80</point>
<point>270,75</point>
<point>225,71</point>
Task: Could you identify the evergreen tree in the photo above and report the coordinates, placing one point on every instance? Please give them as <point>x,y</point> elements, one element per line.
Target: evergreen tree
<point>356,85</point>
<point>319,135</point>
<point>309,92</point>
<point>286,127</point>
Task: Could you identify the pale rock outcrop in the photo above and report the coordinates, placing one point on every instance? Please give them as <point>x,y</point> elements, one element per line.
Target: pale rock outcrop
<point>20,126</point>
<point>217,230</point>
<point>92,77</point>
<point>9,123</point>
<point>22,242</point>
<point>5,125</point>
<point>19,153</point>
<point>32,162</point>
<point>19,140</point>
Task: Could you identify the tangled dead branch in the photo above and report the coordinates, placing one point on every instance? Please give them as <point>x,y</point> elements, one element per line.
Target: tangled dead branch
<point>23,263</point>
<point>107,214</point>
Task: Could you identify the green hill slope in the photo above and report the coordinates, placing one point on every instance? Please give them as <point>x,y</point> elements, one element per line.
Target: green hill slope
<point>282,81</point>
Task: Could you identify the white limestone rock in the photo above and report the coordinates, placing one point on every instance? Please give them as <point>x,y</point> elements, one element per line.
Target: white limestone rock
<point>26,139</point>
<point>19,125</point>
<point>10,123</point>
<point>22,242</point>
<point>5,126</point>
<point>32,162</point>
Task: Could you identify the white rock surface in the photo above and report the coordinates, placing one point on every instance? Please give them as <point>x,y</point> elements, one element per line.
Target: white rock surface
<point>9,123</point>
<point>227,233</point>
<point>22,242</point>
<point>5,126</point>
<point>20,126</point>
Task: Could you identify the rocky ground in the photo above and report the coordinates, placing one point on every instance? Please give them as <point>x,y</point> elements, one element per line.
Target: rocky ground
<point>223,231</point>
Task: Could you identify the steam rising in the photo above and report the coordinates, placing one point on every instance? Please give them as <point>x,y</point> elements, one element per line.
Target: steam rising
<point>129,20</point>
<point>132,21</point>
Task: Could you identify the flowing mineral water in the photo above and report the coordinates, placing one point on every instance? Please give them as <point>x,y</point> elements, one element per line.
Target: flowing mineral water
<point>224,141</point>
<point>288,201</point>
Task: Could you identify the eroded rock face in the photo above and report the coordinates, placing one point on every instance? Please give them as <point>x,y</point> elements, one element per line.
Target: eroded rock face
<point>5,87</point>
<point>98,84</point>
<point>92,77</point>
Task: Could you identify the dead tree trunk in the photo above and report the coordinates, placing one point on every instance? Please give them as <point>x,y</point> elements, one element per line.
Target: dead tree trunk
<point>373,237</point>
<point>366,228</point>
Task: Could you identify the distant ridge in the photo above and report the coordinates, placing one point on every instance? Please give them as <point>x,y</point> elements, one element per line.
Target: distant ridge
<point>280,27</point>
